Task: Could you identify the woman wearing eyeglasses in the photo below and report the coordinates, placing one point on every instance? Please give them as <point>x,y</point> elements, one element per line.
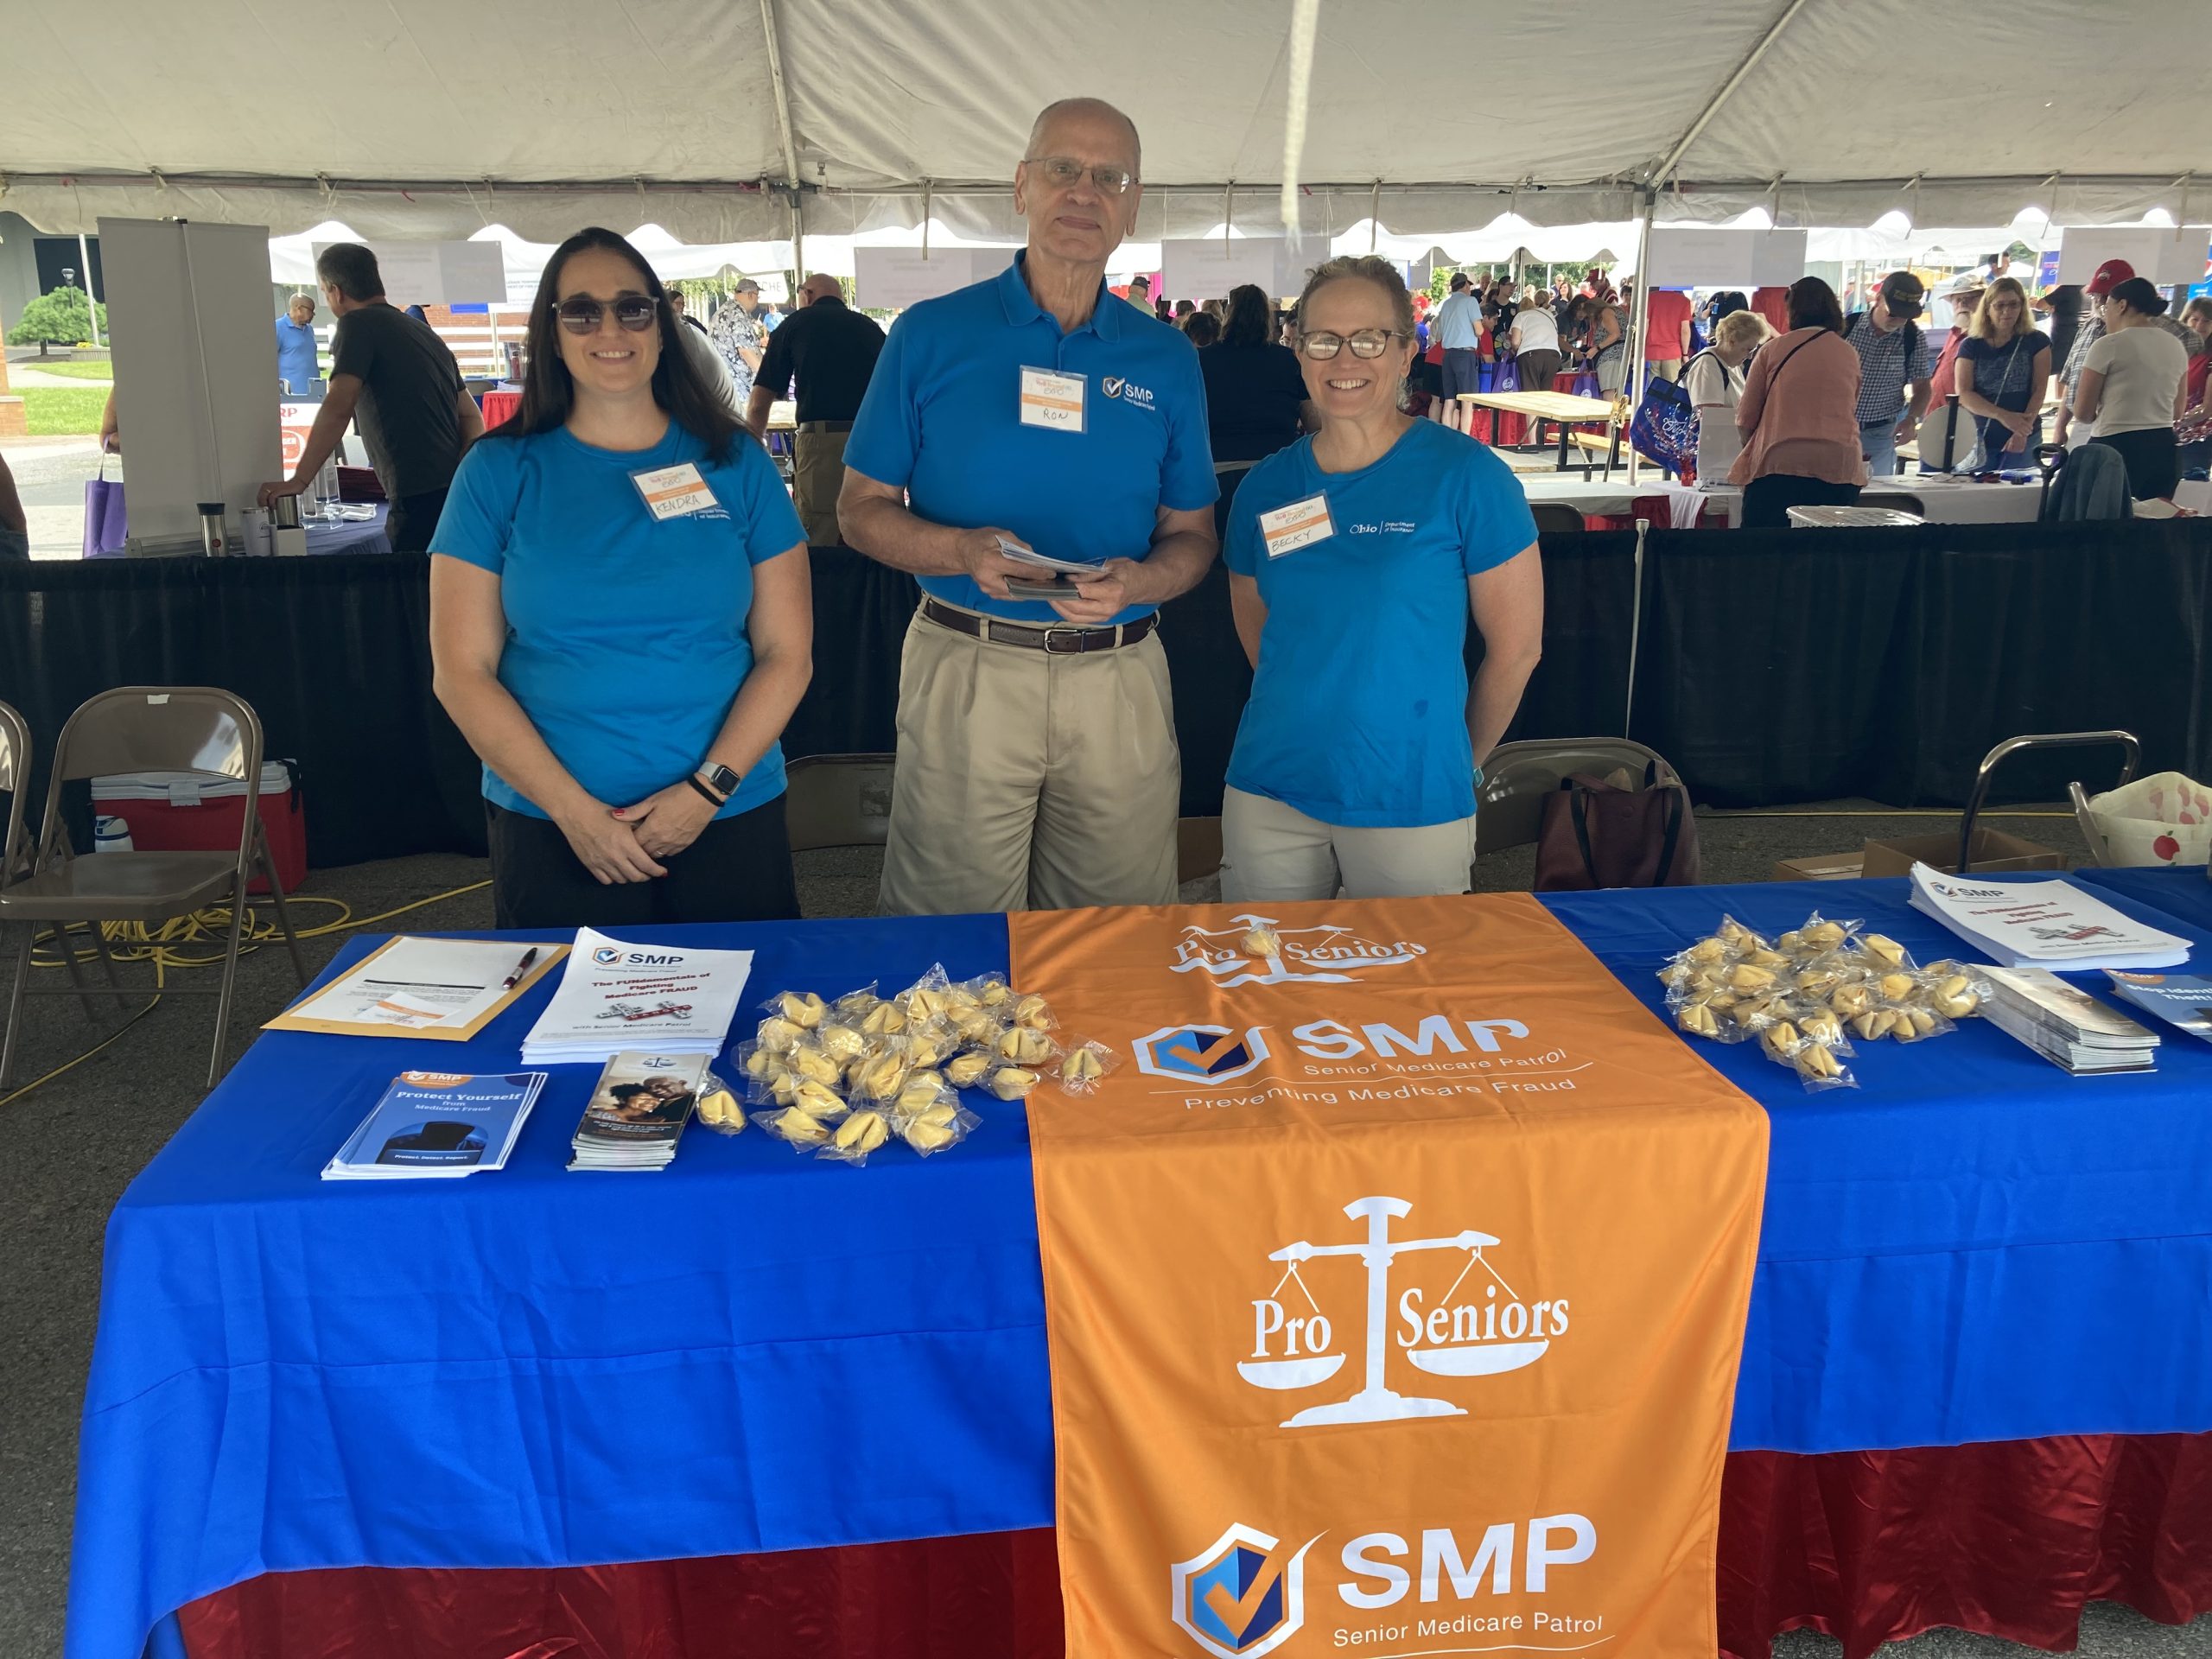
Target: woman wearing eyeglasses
<point>1355,556</point>
<point>623,517</point>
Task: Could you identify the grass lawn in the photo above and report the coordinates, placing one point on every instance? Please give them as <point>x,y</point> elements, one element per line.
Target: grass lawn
<point>72,371</point>
<point>56,409</point>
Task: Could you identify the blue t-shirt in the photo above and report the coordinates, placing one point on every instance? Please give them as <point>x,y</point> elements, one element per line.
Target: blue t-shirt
<point>626,637</point>
<point>1358,713</point>
<point>942,419</point>
<point>295,363</point>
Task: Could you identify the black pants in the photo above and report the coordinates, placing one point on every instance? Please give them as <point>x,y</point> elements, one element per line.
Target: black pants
<point>739,870</point>
<point>1767,500</point>
<point>413,520</point>
<point>2153,461</point>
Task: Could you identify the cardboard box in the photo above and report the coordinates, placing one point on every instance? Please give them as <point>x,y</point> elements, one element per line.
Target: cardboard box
<point>1991,851</point>
<point>1827,867</point>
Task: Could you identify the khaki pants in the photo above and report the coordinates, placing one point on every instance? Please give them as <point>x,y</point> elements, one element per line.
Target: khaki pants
<point>1271,854</point>
<point>1029,780</point>
<point>817,474</point>
<point>1667,368</point>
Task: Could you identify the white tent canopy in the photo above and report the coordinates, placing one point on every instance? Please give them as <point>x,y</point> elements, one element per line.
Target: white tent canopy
<point>425,119</point>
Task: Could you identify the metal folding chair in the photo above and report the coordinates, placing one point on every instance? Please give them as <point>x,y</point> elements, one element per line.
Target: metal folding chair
<point>147,728</point>
<point>1510,806</point>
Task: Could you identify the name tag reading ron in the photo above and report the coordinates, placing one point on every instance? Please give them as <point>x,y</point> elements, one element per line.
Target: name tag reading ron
<point>1052,398</point>
<point>674,492</point>
<point>1300,524</point>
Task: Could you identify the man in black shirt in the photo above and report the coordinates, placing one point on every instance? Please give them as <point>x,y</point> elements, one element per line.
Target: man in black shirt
<point>393,373</point>
<point>830,351</point>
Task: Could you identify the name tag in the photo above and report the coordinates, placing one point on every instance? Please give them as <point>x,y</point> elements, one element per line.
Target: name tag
<point>1301,524</point>
<point>1050,398</point>
<point>674,492</point>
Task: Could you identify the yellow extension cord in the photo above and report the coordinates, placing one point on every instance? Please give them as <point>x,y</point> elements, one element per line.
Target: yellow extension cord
<point>173,946</point>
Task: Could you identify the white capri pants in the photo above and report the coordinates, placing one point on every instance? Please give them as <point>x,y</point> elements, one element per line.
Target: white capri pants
<point>1271,853</point>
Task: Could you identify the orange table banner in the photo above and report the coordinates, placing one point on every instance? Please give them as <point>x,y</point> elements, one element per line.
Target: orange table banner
<point>1394,1287</point>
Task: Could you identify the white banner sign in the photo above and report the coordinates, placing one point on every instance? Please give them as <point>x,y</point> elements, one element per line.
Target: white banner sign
<point>440,273</point>
<point>1206,268</point>
<point>1692,255</point>
<point>2166,255</point>
<point>894,278</point>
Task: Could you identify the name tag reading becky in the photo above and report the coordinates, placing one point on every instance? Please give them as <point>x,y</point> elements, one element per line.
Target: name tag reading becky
<point>1300,524</point>
<point>674,492</point>
<point>1052,398</point>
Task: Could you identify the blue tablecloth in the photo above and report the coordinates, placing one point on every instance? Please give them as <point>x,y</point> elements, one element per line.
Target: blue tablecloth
<point>753,1350</point>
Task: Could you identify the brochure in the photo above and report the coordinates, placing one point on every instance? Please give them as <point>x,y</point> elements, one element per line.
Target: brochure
<point>440,1124</point>
<point>1029,555</point>
<point>2184,1000</point>
<point>2042,924</point>
<point>2065,1023</point>
<point>448,989</point>
<point>615,996</point>
<point>638,1110</point>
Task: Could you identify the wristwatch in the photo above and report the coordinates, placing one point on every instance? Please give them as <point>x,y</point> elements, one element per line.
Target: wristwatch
<point>720,779</point>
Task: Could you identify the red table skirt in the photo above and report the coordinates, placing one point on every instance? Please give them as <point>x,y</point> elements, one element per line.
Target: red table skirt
<point>2009,1540</point>
<point>499,407</point>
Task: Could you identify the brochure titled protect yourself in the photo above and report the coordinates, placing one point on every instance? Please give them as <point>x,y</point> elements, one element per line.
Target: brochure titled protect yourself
<point>616,995</point>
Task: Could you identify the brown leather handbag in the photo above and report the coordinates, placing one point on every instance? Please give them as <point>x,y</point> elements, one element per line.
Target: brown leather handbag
<point>1606,832</point>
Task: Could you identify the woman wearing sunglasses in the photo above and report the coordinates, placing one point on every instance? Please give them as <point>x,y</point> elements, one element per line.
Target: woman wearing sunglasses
<point>1355,556</point>
<point>623,516</point>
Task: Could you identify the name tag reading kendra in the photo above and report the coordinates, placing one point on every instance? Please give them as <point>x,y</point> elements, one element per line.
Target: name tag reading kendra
<point>1300,524</point>
<point>1052,398</point>
<point>674,492</point>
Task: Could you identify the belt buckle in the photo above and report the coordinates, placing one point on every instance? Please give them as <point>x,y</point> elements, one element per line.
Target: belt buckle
<point>1072,631</point>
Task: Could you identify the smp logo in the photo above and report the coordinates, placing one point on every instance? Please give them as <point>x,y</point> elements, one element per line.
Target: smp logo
<point>606,955</point>
<point>1322,953</point>
<point>1128,392</point>
<point>1242,1596</point>
<point>1201,1054</point>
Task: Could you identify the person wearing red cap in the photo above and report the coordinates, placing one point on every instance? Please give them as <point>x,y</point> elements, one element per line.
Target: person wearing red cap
<point>2132,388</point>
<point>2110,275</point>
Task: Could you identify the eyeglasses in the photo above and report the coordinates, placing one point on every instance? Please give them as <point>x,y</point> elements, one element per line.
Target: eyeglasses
<point>1065,172</point>
<point>580,313</point>
<point>1368,342</point>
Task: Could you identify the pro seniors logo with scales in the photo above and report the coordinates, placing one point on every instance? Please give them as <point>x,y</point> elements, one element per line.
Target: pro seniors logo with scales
<point>1322,953</point>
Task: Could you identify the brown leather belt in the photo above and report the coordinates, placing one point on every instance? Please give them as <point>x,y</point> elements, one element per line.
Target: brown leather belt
<point>1061,639</point>
<point>823,426</point>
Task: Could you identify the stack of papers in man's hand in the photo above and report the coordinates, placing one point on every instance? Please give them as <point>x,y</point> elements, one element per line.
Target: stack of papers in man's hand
<point>437,1123</point>
<point>638,1111</point>
<point>2041,923</point>
<point>2064,1024</point>
<point>616,996</point>
<point>1029,555</point>
<point>2184,1000</point>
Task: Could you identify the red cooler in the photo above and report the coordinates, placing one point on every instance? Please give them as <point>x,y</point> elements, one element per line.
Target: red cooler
<point>191,812</point>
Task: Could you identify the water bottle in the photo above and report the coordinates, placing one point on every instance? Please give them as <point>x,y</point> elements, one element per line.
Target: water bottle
<point>112,835</point>
<point>326,487</point>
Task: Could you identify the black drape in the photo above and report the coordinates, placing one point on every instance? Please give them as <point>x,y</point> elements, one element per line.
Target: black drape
<point>1775,666</point>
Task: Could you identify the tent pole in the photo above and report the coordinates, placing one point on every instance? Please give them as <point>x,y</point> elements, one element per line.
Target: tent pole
<point>783,94</point>
<point>1727,91</point>
<point>1640,313</point>
<point>84,259</point>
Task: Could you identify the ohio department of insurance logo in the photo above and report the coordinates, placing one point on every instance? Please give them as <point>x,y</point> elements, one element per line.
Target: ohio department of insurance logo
<point>1201,1054</point>
<point>1242,1596</point>
<point>1322,952</point>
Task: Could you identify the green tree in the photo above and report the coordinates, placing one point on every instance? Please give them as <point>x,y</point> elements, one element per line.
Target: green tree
<point>61,318</point>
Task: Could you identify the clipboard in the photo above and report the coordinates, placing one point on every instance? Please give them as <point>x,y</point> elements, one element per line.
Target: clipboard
<point>395,980</point>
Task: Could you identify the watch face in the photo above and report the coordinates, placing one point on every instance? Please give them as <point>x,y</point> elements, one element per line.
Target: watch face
<point>721,779</point>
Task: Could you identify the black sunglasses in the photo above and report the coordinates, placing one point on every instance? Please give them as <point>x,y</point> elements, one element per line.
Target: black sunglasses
<point>580,313</point>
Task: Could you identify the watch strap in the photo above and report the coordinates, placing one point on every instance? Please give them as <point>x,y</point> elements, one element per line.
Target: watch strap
<point>718,801</point>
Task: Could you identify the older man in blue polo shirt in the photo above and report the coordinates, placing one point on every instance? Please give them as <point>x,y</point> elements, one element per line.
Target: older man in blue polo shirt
<point>1037,759</point>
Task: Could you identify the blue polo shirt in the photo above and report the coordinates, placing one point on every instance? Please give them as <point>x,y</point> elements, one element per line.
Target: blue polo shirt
<point>627,638</point>
<point>943,420</point>
<point>295,363</point>
<point>1358,712</point>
